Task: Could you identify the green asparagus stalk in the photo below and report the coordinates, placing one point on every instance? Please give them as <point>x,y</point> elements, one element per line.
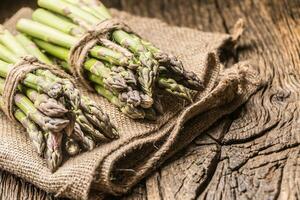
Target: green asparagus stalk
<point>48,34</point>
<point>7,56</point>
<point>28,112</point>
<point>112,80</point>
<point>65,26</point>
<point>31,48</point>
<point>87,141</point>
<point>98,118</point>
<point>95,115</point>
<point>111,45</point>
<point>171,86</point>
<point>68,10</point>
<point>42,102</point>
<point>99,74</point>
<point>48,106</point>
<point>147,71</point>
<point>33,131</point>
<point>32,115</point>
<point>131,97</point>
<point>68,88</point>
<point>127,75</point>
<point>94,7</point>
<point>36,136</point>
<point>45,122</point>
<point>53,152</point>
<point>8,40</point>
<point>40,84</point>
<point>56,21</point>
<point>188,79</point>
<point>128,109</point>
<point>86,126</point>
<point>174,66</point>
<point>98,68</point>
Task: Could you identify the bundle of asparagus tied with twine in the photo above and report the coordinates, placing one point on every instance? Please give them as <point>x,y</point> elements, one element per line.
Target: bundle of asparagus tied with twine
<point>58,119</point>
<point>107,56</point>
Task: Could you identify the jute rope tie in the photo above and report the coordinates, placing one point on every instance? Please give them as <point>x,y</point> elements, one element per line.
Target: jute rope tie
<point>16,75</point>
<point>80,51</point>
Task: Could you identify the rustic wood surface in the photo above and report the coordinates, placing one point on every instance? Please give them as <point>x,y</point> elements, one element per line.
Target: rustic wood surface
<point>252,154</point>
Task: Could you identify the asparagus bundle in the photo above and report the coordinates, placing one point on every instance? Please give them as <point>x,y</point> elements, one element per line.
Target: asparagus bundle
<point>124,68</point>
<point>52,110</point>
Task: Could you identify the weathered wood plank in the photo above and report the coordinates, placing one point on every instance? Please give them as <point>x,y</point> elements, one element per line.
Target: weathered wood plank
<point>255,150</point>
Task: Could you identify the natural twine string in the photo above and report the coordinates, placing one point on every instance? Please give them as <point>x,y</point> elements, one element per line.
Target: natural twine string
<point>16,75</point>
<point>79,52</point>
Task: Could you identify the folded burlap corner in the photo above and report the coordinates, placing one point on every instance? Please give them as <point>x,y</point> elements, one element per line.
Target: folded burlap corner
<point>115,167</point>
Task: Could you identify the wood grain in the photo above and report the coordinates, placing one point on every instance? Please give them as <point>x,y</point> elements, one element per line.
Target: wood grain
<point>253,153</point>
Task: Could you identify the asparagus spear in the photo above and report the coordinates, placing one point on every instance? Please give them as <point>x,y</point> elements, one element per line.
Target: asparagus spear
<point>46,122</point>
<point>33,131</point>
<point>87,141</point>
<point>49,106</point>
<point>7,39</point>
<point>36,136</point>
<point>148,71</point>
<point>31,48</point>
<point>171,86</point>
<point>65,26</point>
<point>98,68</point>
<point>53,152</point>
<point>98,73</point>
<point>48,34</point>
<point>35,82</point>
<point>88,127</point>
<point>128,109</point>
<point>29,115</point>
<point>42,102</point>
<point>94,7</point>
<point>188,79</point>
<point>127,75</point>
<point>148,68</point>
<point>98,118</point>
<point>92,111</point>
<point>68,88</point>
<point>23,115</point>
<point>113,81</point>
<point>61,24</point>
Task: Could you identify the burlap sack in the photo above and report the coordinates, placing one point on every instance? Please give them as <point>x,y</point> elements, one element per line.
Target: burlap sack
<point>113,168</point>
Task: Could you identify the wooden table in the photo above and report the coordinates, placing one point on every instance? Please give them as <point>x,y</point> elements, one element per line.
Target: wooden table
<point>252,153</point>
